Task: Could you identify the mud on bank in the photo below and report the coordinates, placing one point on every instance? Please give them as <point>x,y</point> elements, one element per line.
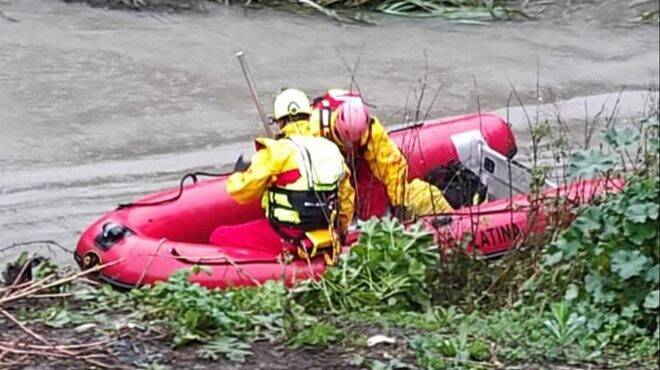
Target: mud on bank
<point>611,12</point>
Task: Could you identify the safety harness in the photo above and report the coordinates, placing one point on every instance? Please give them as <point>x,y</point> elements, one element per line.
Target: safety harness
<point>325,115</point>
<point>307,199</point>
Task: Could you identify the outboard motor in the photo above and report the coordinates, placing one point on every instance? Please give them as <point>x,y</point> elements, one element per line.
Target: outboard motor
<point>460,186</point>
<point>480,171</point>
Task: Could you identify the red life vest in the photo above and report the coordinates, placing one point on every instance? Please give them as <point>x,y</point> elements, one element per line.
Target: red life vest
<point>333,98</point>
<point>327,104</point>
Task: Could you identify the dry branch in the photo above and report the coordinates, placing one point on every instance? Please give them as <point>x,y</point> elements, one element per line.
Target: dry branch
<point>39,286</point>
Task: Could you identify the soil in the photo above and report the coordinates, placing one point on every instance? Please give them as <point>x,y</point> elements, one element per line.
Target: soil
<point>137,347</point>
<point>152,5</point>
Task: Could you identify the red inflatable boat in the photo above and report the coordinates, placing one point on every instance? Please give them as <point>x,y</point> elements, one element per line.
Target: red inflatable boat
<point>467,156</point>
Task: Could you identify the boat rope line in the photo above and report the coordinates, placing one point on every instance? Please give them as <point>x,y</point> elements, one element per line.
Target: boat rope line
<point>193,175</point>
<point>151,259</point>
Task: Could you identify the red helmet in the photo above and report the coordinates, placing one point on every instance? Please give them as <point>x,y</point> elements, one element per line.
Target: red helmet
<point>352,120</point>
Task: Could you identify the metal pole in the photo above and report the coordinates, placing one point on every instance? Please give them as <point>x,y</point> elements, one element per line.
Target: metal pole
<point>253,92</point>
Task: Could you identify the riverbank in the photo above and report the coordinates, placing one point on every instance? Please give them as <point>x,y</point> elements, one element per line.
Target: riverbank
<point>617,12</point>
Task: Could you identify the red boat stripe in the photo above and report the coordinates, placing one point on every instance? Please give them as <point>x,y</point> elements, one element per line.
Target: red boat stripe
<point>287,177</point>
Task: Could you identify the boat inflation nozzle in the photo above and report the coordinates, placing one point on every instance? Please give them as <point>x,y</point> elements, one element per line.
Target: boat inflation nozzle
<point>110,234</point>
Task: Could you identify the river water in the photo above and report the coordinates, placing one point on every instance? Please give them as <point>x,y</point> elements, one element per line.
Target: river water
<point>99,107</point>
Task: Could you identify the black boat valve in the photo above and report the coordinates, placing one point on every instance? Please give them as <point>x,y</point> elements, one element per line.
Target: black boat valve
<point>441,221</point>
<point>110,234</point>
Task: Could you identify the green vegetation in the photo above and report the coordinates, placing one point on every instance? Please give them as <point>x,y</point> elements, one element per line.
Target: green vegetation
<point>465,11</point>
<point>585,295</point>
<point>387,270</point>
<point>476,12</point>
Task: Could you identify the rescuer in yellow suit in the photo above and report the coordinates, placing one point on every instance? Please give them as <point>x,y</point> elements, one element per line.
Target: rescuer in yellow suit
<point>305,190</point>
<point>342,117</point>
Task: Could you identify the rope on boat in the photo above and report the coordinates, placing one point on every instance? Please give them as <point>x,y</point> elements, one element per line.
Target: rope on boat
<point>192,175</point>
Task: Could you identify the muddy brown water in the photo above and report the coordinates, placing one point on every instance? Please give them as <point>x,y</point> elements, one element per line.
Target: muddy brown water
<point>99,107</point>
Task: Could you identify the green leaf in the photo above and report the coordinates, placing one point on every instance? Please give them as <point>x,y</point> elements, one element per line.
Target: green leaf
<point>318,335</point>
<point>639,233</point>
<point>653,274</point>
<point>571,292</point>
<point>552,259</point>
<point>628,263</point>
<point>595,286</point>
<point>653,211</point>
<point>621,139</point>
<point>629,311</point>
<point>589,221</point>
<point>652,300</point>
<point>587,164</point>
<point>228,347</point>
<point>479,350</point>
<point>639,213</point>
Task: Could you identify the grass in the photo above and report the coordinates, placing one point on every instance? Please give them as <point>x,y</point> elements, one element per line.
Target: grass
<point>456,10</point>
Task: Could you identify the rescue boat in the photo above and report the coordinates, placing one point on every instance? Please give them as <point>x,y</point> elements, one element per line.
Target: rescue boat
<point>469,157</point>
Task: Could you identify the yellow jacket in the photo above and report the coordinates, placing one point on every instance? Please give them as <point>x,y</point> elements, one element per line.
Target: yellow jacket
<point>390,167</point>
<point>301,127</point>
<point>273,158</point>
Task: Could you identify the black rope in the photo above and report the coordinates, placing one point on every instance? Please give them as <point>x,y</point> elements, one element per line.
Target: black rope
<point>192,175</point>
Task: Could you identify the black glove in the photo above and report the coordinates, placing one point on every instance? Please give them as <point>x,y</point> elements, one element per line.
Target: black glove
<point>342,237</point>
<point>399,212</point>
<point>438,175</point>
<point>241,165</point>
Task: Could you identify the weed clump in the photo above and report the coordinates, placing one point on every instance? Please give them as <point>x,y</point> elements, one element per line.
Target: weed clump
<point>387,269</point>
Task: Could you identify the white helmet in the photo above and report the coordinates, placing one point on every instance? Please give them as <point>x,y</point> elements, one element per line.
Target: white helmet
<point>291,102</point>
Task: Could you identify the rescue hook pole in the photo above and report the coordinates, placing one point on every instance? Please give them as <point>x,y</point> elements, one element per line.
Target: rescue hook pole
<point>253,92</point>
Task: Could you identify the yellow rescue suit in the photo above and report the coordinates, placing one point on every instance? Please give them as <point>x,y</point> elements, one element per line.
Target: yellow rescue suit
<point>314,159</point>
<point>387,164</point>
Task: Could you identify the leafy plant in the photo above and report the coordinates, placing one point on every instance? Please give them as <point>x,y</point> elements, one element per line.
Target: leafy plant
<point>436,319</point>
<point>435,351</point>
<point>194,313</point>
<point>26,268</point>
<point>613,248</point>
<point>606,266</point>
<point>227,347</point>
<point>387,268</point>
<point>590,163</point>
<point>564,325</point>
<point>317,335</point>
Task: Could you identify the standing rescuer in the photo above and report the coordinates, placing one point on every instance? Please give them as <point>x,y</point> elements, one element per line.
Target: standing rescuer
<point>342,116</point>
<point>304,186</point>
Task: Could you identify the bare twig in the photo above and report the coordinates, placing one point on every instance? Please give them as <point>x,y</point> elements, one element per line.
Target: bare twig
<point>23,327</point>
<point>31,290</point>
<point>28,284</point>
<point>54,295</point>
<point>353,71</point>
<point>89,281</point>
<point>82,346</point>
<point>328,12</point>
<point>33,352</point>
<point>18,276</point>
<point>151,259</point>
